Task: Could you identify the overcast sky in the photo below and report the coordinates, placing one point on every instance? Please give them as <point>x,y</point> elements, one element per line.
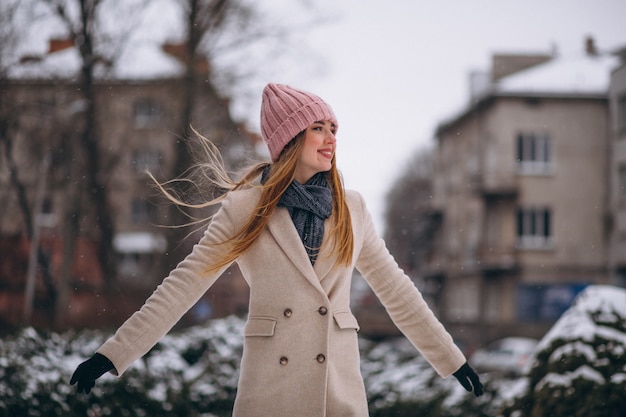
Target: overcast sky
<point>392,70</point>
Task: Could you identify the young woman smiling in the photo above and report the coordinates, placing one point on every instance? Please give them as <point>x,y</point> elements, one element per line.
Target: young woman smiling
<point>296,236</point>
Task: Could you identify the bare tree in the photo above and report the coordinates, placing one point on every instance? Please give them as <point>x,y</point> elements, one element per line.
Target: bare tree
<point>410,220</point>
<point>69,137</point>
<point>8,39</point>
<point>80,162</point>
<point>212,28</point>
<point>98,51</point>
<point>10,33</point>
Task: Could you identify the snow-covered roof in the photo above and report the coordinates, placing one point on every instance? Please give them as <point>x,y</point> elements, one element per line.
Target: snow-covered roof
<point>61,64</point>
<point>568,75</point>
<point>574,74</point>
<point>137,53</point>
<point>148,61</point>
<point>145,60</point>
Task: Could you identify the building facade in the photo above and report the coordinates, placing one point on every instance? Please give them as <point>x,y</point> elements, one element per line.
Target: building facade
<point>137,123</point>
<point>521,182</point>
<point>617,106</point>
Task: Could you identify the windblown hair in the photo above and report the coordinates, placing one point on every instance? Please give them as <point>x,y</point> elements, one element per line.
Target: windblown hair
<point>281,174</point>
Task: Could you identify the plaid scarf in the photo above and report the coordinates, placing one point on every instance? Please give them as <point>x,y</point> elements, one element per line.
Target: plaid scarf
<point>309,205</point>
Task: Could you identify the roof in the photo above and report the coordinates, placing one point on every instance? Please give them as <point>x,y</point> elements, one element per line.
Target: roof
<point>145,61</point>
<point>578,75</point>
<point>45,49</point>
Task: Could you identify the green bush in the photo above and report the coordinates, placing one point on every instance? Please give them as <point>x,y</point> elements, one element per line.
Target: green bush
<point>580,366</point>
<point>400,383</point>
<point>194,373</point>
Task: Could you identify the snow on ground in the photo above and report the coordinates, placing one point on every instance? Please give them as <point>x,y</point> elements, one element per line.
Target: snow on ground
<point>585,372</point>
<point>585,348</point>
<point>592,314</point>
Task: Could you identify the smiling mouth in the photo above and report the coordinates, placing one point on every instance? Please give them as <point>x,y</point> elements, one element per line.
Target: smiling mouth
<point>327,154</point>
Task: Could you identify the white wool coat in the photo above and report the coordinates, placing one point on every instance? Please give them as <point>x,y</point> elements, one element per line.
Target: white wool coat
<point>300,355</point>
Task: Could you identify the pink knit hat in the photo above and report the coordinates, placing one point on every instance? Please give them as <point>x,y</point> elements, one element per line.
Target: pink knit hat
<point>286,111</point>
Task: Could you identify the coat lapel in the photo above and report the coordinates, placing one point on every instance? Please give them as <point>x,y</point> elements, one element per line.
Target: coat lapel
<point>281,227</point>
<point>325,259</point>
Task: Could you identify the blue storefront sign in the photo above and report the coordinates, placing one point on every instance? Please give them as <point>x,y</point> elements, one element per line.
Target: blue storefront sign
<point>545,302</point>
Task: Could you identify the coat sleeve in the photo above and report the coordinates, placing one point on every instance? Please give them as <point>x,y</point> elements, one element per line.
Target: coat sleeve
<point>403,301</point>
<point>172,298</point>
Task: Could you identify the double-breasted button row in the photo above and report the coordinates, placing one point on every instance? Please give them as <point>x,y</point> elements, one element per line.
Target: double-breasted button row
<point>321,358</point>
<point>322,310</point>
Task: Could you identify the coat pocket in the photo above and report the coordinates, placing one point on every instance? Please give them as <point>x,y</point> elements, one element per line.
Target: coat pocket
<point>260,326</point>
<point>345,320</point>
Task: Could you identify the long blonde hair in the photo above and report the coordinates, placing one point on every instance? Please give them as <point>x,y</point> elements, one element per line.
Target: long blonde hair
<point>281,174</point>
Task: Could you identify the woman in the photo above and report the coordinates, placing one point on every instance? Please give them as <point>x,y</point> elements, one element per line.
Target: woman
<point>296,236</point>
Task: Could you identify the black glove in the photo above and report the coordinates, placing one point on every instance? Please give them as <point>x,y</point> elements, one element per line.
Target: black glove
<point>90,370</point>
<point>469,379</point>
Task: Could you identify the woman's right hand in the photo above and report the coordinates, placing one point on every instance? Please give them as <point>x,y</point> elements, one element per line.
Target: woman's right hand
<point>87,372</point>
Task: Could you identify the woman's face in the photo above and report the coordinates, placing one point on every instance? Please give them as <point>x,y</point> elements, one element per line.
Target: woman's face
<point>318,150</point>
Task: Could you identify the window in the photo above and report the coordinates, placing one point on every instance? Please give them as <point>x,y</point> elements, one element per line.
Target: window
<point>492,300</point>
<point>464,301</point>
<point>545,302</point>
<point>534,153</point>
<point>621,113</point>
<point>142,211</point>
<point>534,228</point>
<point>47,217</point>
<point>46,110</point>
<point>147,113</point>
<point>146,159</point>
<point>621,183</point>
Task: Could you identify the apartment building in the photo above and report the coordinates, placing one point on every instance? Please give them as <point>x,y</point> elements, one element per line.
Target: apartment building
<point>138,121</point>
<point>520,182</point>
<point>617,218</point>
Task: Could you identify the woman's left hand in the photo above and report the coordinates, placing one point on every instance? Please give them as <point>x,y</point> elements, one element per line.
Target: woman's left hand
<point>469,379</point>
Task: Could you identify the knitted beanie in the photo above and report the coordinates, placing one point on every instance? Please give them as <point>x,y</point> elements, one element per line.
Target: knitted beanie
<point>286,111</point>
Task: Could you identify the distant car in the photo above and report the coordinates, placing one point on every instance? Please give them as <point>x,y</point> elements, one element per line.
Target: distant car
<point>509,356</point>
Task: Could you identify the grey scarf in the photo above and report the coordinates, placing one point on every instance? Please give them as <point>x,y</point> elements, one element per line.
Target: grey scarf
<point>309,205</point>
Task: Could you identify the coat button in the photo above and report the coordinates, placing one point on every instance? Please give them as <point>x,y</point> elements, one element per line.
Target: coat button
<point>322,310</point>
<point>287,312</point>
<point>283,360</point>
<point>321,358</point>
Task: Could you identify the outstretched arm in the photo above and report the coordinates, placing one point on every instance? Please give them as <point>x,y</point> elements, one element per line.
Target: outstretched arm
<point>403,301</point>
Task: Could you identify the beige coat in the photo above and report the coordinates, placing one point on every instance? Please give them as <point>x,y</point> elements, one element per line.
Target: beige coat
<point>300,354</point>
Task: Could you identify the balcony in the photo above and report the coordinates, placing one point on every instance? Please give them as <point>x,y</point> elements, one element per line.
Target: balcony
<point>498,259</point>
<point>495,186</point>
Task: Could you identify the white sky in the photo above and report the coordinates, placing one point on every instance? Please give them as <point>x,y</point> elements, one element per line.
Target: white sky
<point>392,70</point>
